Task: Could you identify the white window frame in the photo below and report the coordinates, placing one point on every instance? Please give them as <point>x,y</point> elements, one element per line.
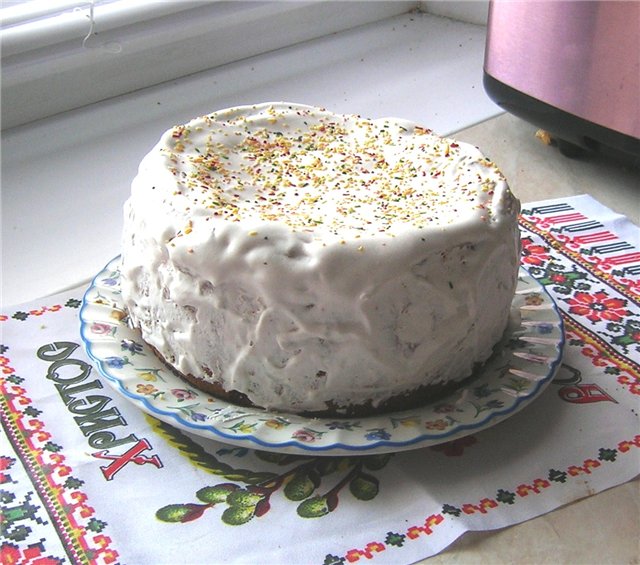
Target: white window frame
<point>58,61</point>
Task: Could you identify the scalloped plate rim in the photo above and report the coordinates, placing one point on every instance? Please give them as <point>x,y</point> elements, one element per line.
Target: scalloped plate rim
<point>292,445</point>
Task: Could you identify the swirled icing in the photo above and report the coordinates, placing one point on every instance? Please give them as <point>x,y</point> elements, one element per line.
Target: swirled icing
<point>307,258</point>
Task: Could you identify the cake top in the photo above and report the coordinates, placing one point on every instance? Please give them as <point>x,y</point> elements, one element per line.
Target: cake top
<point>316,171</point>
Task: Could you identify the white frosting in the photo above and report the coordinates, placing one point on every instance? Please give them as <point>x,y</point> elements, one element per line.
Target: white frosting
<point>303,257</point>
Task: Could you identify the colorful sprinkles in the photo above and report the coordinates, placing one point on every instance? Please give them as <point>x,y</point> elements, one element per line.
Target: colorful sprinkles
<point>317,171</point>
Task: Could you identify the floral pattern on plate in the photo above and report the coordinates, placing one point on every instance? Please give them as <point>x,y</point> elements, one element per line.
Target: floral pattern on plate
<point>522,366</point>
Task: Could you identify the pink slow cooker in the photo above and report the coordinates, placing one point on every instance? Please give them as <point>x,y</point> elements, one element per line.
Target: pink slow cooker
<point>571,68</point>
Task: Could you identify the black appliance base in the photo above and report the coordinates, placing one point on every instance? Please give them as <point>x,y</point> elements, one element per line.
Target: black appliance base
<point>575,136</point>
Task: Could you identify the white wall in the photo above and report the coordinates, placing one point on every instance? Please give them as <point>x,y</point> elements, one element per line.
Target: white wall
<point>470,11</point>
<point>50,69</point>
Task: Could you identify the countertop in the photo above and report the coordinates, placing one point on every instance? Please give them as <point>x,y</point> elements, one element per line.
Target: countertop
<point>537,171</point>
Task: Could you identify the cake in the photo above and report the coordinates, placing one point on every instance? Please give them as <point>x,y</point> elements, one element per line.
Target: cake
<point>290,258</point>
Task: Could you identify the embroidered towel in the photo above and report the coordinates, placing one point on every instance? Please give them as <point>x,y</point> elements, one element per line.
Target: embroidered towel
<point>85,477</point>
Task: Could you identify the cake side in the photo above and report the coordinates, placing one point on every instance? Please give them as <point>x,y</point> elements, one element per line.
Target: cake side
<point>307,259</point>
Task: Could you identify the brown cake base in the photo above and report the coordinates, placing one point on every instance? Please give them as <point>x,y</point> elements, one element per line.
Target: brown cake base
<point>412,399</point>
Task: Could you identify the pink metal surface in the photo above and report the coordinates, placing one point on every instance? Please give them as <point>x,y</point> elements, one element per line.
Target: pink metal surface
<point>582,57</point>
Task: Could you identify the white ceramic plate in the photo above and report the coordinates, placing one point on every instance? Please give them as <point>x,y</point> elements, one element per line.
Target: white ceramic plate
<point>522,366</point>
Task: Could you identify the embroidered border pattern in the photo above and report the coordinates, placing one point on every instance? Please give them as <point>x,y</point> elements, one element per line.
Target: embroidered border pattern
<point>627,372</point>
<point>485,505</point>
<point>600,296</point>
<point>23,316</point>
<point>72,517</point>
<point>587,243</point>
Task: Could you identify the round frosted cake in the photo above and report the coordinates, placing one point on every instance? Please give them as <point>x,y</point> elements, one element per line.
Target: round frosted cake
<point>287,257</point>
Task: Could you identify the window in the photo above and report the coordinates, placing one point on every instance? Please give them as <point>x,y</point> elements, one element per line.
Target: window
<point>61,54</point>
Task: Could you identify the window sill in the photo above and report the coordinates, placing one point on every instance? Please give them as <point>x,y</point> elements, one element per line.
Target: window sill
<point>58,68</point>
